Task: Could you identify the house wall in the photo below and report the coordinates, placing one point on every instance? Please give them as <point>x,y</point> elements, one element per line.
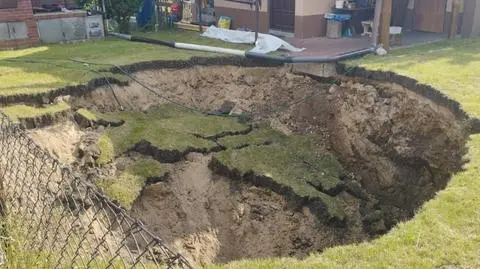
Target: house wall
<point>23,13</point>
<point>410,15</point>
<point>243,15</point>
<point>309,17</point>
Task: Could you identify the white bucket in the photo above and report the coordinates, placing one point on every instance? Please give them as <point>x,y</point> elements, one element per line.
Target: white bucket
<point>339,3</point>
<point>395,30</point>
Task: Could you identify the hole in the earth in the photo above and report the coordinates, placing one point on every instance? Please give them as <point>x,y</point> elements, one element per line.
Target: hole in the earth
<point>317,164</point>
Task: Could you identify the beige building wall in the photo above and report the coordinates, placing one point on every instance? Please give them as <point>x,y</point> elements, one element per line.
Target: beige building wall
<point>309,17</point>
<point>313,7</point>
<point>243,15</point>
<point>230,4</point>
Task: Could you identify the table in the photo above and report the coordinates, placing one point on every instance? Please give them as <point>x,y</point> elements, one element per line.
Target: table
<point>358,15</point>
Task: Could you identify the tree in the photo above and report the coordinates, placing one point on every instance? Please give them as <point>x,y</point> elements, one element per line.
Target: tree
<point>121,10</point>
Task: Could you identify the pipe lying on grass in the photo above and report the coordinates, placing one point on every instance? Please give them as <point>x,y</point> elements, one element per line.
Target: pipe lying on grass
<point>247,54</point>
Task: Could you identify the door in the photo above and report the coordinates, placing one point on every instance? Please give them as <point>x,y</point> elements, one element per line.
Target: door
<point>430,15</point>
<point>399,10</point>
<point>282,15</point>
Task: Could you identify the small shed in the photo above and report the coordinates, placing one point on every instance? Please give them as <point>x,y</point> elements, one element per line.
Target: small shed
<point>28,22</point>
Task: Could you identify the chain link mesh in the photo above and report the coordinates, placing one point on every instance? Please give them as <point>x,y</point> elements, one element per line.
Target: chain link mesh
<point>60,221</point>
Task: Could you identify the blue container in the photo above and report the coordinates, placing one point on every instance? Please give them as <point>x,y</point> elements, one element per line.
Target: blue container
<point>338,17</point>
<point>363,3</point>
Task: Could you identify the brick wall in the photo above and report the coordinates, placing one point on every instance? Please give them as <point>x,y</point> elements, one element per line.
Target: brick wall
<point>23,12</point>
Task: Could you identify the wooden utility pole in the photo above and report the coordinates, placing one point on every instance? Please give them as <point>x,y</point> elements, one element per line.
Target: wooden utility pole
<point>386,18</point>
<point>257,19</point>
<point>376,23</point>
<point>452,34</point>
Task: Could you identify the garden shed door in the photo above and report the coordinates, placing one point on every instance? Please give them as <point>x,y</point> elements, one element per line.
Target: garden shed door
<point>430,15</point>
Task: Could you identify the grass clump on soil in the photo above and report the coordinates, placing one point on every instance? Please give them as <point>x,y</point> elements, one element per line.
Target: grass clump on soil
<point>291,161</point>
<point>106,148</point>
<point>17,112</point>
<point>127,186</point>
<point>166,127</point>
<point>446,230</point>
<point>98,118</point>
<point>87,114</point>
<point>256,137</point>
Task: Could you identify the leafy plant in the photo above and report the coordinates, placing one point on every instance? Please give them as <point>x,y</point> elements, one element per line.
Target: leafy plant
<point>89,4</point>
<point>121,10</point>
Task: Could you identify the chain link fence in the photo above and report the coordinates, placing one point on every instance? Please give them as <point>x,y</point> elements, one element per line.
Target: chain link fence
<point>53,219</point>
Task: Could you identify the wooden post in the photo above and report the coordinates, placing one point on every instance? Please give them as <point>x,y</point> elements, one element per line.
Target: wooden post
<point>452,34</point>
<point>376,22</point>
<point>257,19</point>
<point>105,18</point>
<point>385,23</point>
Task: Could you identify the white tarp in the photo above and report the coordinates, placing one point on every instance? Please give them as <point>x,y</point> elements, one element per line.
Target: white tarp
<point>265,43</point>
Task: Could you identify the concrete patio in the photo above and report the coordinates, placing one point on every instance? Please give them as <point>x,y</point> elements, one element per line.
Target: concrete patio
<point>322,46</point>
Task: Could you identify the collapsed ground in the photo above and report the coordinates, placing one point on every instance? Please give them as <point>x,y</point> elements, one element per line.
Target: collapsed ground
<point>306,165</point>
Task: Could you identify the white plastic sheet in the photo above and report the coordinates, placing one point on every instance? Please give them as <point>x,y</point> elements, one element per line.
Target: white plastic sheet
<point>265,43</point>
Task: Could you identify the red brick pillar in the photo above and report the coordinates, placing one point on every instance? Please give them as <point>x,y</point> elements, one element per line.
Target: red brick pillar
<point>23,13</point>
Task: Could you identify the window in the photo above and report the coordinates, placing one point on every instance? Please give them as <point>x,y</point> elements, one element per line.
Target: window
<point>8,4</point>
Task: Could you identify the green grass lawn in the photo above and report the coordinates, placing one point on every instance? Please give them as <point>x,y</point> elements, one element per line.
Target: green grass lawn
<point>56,69</point>
<point>446,230</point>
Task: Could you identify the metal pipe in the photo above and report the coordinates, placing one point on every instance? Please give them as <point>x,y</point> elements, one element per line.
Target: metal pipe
<point>248,54</point>
<point>188,46</point>
<point>121,36</point>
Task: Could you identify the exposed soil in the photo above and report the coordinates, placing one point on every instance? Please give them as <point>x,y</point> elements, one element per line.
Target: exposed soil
<point>399,147</point>
<point>60,140</point>
<point>214,219</point>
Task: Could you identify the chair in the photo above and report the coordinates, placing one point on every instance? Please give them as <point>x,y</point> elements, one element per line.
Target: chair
<point>367,28</point>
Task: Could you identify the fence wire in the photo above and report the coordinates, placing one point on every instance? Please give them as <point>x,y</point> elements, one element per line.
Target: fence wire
<point>58,220</point>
